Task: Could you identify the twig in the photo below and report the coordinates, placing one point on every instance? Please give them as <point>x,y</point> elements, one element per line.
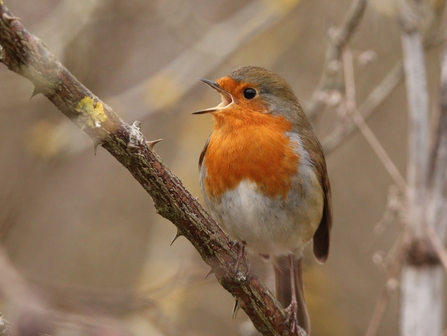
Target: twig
<point>374,99</point>
<point>364,128</point>
<point>28,56</point>
<point>391,284</point>
<point>386,86</point>
<point>338,37</point>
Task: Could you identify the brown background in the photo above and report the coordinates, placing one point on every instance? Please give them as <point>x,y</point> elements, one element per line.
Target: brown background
<point>88,232</point>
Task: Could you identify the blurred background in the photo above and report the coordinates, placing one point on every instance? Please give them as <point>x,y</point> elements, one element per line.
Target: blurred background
<point>85,236</point>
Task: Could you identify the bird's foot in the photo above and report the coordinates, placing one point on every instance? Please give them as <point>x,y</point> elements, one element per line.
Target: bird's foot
<point>292,318</point>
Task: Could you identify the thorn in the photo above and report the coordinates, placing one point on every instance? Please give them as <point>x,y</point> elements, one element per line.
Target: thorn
<point>152,143</point>
<point>235,308</point>
<point>178,234</point>
<point>209,273</point>
<point>96,143</point>
<point>36,91</point>
<point>9,19</point>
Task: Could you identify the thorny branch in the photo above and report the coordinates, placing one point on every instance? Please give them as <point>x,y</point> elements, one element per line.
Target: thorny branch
<point>26,55</point>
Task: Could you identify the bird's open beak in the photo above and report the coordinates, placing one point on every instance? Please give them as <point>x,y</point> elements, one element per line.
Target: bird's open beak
<point>227,99</point>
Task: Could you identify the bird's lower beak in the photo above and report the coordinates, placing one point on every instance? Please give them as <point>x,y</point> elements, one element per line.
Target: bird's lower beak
<point>227,99</point>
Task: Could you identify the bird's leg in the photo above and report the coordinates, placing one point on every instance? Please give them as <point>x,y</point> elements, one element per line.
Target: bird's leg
<point>292,309</point>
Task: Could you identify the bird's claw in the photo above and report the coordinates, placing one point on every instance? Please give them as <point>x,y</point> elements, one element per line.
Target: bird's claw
<point>292,317</point>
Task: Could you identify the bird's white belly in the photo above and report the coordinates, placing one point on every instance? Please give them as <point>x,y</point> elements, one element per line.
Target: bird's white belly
<point>269,225</point>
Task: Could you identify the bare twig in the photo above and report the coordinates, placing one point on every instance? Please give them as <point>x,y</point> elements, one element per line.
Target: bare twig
<point>28,56</point>
<point>351,107</point>
<point>386,86</point>
<point>374,99</point>
<point>338,38</point>
<point>391,284</point>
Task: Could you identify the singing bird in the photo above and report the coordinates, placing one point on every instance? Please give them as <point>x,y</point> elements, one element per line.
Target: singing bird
<point>264,178</point>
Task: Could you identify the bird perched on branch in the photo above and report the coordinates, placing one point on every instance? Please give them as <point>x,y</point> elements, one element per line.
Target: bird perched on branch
<point>264,178</point>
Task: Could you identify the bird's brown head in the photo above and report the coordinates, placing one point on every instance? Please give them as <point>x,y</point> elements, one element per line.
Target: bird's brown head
<point>251,90</point>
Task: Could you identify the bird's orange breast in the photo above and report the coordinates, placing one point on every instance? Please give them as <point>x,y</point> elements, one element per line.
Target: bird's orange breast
<point>252,146</point>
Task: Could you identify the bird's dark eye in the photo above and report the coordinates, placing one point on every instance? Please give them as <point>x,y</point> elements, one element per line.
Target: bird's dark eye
<point>249,93</point>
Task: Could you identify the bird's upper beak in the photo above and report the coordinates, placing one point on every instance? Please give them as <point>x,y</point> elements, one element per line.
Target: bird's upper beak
<point>227,98</point>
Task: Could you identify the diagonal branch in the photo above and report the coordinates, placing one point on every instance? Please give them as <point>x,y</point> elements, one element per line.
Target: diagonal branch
<point>26,55</point>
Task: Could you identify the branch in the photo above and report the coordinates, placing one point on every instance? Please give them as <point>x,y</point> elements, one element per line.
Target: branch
<point>421,287</point>
<point>418,111</point>
<point>438,159</point>
<point>338,37</point>
<point>26,55</point>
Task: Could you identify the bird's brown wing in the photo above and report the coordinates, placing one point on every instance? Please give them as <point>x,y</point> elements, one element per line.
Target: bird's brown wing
<point>202,155</point>
<point>322,235</point>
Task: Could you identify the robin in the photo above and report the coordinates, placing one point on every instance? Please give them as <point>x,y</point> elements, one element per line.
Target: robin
<point>264,178</point>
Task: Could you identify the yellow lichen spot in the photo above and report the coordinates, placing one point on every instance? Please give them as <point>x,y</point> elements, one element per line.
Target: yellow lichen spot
<point>92,113</point>
<point>162,91</point>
